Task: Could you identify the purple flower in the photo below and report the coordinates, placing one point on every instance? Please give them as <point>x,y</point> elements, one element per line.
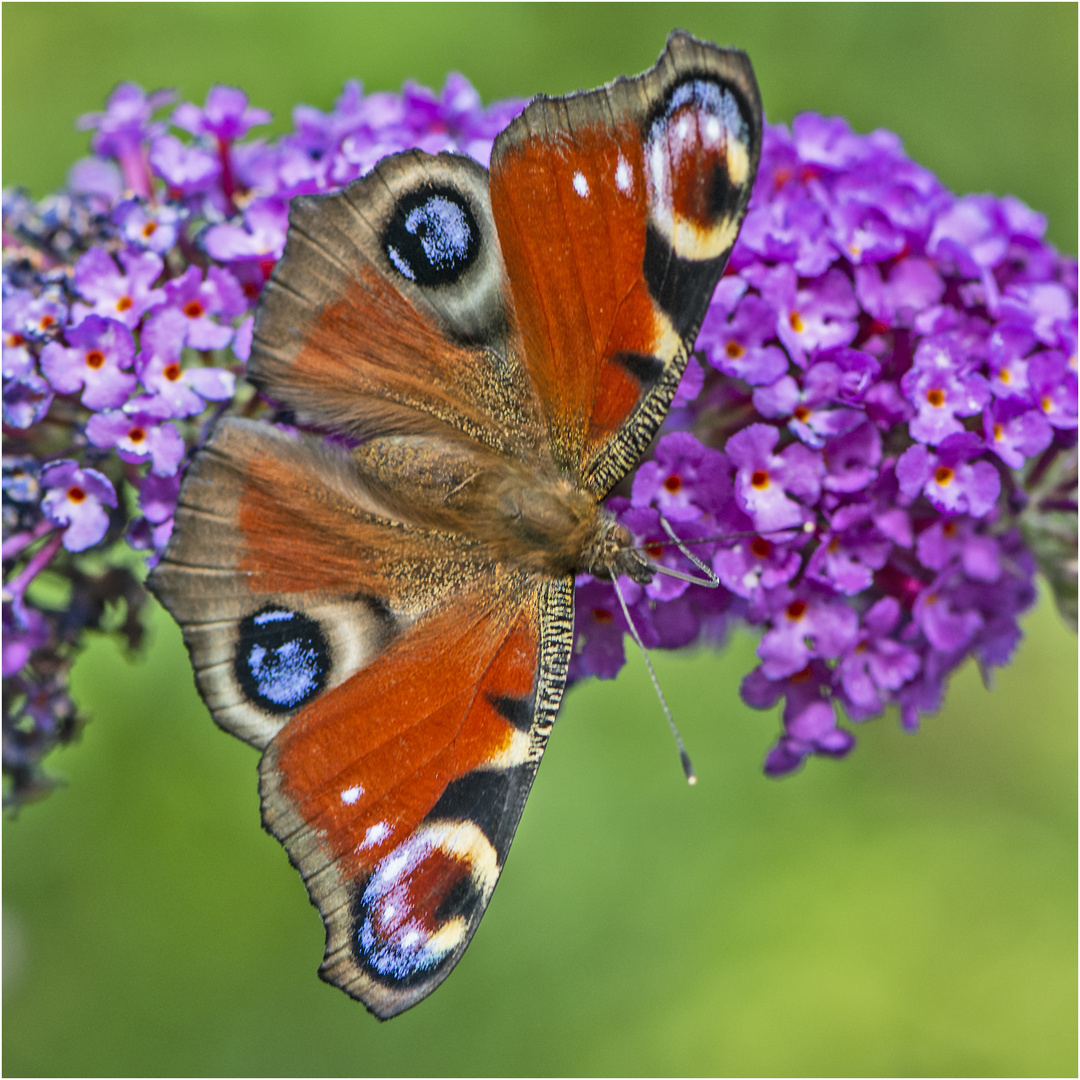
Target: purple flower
<point>735,342</point>
<point>77,498</point>
<point>96,360</point>
<point>897,296</point>
<point>754,563</point>
<point>852,459</point>
<point>1054,388</point>
<point>138,437</point>
<point>819,316</point>
<point>188,170</point>
<point>809,716</point>
<point>125,296</point>
<point>152,227</point>
<point>955,542</point>
<point>200,300</point>
<point>226,115</point>
<point>809,407</point>
<point>883,359</point>
<point>124,127</point>
<point>807,625</point>
<point>850,551</point>
<point>764,479</point>
<point>17,358</point>
<point>949,479</point>
<point>99,179</point>
<point>262,236</point>
<point>683,480</point>
<point>176,391</point>
<point>599,628</point>
<point>941,390</point>
<point>876,664</point>
<point>27,400</point>
<point>1015,432</point>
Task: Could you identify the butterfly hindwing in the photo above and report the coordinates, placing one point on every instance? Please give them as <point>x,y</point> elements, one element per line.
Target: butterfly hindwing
<point>279,549</point>
<point>616,211</point>
<point>397,794</point>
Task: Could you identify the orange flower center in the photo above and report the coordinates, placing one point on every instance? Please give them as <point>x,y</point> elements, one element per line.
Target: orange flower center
<point>136,435</point>
<point>194,310</point>
<point>76,494</point>
<point>943,475</point>
<point>949,529</point>
<point>796,610</point>
<point>124,303</point>
<point>802,413</point>
<point>998,432</point>
<point>733,350</point>
<point>760,547</point>
<point>46,321</point>
<point>602,616</point>
<point>796,322</point>
<point>95,358</point>
<point>172,372</point>
<point>654,551</point>
<point>1005,376</point>
<point>673,483</point>
<point>149,229</point>
<point>759,478</point>
<point>936,398</point>
<point>13,341</point>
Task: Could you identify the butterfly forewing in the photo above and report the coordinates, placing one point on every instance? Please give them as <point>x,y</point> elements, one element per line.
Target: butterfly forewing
<point>387,314</point>
<point>616,211</point>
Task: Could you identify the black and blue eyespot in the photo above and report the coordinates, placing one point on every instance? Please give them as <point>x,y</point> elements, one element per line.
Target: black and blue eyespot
<point>432,237</point>
<point>282,659</point>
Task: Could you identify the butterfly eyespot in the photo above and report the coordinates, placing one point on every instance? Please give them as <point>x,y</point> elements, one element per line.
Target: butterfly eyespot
<point>416,905</point>
<point>282,659</point>
<point>699,157</point>
<point>433,236</point>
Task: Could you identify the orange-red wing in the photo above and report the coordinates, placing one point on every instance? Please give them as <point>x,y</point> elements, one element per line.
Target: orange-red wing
<point>616,212</point>
<point>280,546</point>
<point>386,314</point>
<point>398,792</point>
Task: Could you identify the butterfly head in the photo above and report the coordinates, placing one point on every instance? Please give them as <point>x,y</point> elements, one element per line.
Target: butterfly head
<point>612,554</point>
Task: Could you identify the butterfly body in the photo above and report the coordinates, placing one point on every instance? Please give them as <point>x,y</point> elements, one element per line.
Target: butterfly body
<point>388,615</point>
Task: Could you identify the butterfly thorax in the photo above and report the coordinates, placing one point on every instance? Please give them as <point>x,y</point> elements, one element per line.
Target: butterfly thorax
<point>561,530</point>
<point>526,514</point>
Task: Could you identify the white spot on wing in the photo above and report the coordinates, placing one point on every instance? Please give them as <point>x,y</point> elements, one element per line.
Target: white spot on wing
<point>581,185</point>
<point>624,178</point>
<point>380,831</point>
<point>350,795</point>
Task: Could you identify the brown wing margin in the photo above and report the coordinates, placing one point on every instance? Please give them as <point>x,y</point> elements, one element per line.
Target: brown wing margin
<point>616,211</point>
<point>397,795</point>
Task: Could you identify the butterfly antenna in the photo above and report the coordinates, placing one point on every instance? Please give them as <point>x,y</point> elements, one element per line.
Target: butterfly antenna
<point>684,757</point>
<point>709,581</point>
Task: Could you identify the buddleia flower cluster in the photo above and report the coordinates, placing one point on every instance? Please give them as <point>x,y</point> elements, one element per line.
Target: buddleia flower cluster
<point>873,447</point>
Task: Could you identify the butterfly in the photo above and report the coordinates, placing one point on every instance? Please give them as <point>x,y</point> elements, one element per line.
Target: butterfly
<point>387,614</point>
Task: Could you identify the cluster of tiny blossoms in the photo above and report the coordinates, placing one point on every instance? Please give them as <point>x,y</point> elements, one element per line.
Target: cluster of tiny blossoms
<point>879,425</point>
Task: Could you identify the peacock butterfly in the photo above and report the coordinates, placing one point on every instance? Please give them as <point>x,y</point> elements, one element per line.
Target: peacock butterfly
<point>388,615</point>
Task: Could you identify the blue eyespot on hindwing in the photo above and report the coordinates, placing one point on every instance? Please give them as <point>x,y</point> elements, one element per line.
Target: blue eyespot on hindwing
<point>282,659</point>
<point>432,237</point>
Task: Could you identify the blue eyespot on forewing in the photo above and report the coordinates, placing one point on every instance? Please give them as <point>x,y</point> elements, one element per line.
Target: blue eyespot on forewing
<point>282,659</point>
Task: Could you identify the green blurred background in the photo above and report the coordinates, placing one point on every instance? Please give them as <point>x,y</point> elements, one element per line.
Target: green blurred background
<point>911,911</point>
